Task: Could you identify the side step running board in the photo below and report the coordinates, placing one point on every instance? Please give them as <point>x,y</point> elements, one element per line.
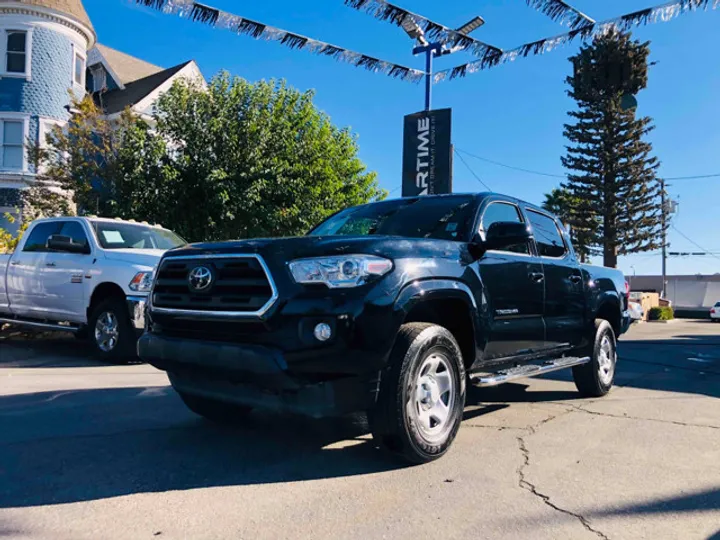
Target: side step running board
<point>42,325</point>
<point>524,371</point>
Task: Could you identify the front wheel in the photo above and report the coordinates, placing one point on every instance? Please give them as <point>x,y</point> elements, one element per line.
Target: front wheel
<point>422,394</point>
<point>596,378</point>
<point>111,331</point>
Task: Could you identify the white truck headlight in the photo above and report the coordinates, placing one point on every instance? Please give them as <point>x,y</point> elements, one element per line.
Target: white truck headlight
<point>142,282</point>
<point>339,272</point>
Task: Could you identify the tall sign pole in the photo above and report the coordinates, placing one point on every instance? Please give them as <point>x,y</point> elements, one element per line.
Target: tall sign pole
<point>663,203</point>
<point>427,149</point>
<point>430,50</point>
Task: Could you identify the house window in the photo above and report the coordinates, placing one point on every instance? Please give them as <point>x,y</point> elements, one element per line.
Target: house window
<point>16,52</point>
<point>79,71</point>
<point>12,139</point>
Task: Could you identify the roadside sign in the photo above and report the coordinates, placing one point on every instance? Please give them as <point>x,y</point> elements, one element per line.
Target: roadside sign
<point>427,163</point>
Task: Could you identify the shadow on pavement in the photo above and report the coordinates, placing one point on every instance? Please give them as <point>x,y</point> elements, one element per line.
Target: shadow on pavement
<point>702,501</point>
<point>516,393</point>
<point>71,446</point>
<point>44,350</point>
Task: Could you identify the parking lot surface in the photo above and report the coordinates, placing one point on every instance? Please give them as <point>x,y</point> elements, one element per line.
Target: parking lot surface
<point>89,450</point>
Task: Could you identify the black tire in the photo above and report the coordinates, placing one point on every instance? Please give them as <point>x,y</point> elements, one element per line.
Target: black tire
<point>589,379</point>
<point>216,411</point>
<point>124,347</point>
<point>395,421</point>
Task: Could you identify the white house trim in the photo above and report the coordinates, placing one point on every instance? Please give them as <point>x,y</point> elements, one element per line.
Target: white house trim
<point>20,11</point>
<point>25,119</point>
<point>5,28</point>
<point>78,51</point>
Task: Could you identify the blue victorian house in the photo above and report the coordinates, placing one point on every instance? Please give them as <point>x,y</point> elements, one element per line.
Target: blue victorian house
<point>49,48</point>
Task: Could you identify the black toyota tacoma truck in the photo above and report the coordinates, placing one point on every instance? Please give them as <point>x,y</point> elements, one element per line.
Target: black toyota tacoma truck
<point>391,308</point>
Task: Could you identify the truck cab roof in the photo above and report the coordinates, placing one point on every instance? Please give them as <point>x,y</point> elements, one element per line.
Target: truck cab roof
<point>91,218</point>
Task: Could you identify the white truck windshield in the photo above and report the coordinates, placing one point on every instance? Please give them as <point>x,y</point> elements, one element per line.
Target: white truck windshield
<point>121,235</point>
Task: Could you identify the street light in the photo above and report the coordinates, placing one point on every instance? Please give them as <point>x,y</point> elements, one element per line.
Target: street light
<point>413,30</point>
<point>471,25</point>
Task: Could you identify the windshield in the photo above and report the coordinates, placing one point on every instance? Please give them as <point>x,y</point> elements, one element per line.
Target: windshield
<point>444,218</point>
<point>121,235</point>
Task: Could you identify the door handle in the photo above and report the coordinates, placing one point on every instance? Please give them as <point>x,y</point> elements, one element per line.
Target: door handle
<point>575,279</point>
<point>50,264</point>
<point>537,277</point>
<point>14,263</point>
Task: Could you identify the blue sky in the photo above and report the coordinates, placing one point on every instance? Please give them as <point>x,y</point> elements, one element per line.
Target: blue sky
<point>512,113</point>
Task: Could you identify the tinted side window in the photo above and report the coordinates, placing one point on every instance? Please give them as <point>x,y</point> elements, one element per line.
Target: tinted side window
<point>499,212</point>
<point>74,230</point>
<point>37,241</point>
<point>549,240</point>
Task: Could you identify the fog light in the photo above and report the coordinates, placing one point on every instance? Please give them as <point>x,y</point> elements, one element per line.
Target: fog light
<point>322,332</point>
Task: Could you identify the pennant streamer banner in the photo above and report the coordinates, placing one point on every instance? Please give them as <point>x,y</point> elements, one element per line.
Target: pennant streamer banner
<point>561,12</point>
<point>220,19</point>
<point>662,13</point>
<point>385,11</point>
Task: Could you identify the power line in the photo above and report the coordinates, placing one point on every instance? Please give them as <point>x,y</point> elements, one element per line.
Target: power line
<point>693,242</point>
<point>510,166</point>
<point>554,175</point>
<point>472,172</point>
<point>694,177</point>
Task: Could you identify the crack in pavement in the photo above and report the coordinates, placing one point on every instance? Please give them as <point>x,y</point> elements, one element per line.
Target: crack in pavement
<point>498,428</point>
<point>528,486</point>
<point>578,408</point>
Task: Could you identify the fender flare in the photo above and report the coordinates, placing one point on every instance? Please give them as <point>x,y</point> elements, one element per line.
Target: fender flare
<point>424,290</point>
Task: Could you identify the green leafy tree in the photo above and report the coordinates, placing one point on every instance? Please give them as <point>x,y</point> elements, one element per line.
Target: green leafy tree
<point>561,203</point>
<point>230,160</point>
<point>613,184</point>
<point>262,159</point>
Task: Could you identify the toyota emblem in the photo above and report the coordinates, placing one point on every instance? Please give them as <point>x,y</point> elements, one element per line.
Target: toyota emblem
<point>200,278</point>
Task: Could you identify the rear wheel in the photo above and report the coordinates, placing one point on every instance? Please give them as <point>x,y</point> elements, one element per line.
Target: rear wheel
<point>422,394</point>
<point>111,331</point>
<point>596,378</point>
<point>216,411</point>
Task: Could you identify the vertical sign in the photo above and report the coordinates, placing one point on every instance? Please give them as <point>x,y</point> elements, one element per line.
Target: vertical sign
<point>427,163</point>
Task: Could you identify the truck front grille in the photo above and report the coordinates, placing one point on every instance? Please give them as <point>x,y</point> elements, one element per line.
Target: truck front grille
<point>239,285</point>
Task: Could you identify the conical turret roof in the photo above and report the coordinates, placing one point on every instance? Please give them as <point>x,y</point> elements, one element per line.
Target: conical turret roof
<point>72,8</point>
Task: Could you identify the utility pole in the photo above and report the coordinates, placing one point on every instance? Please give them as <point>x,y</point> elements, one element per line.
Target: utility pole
<point>664,236</point>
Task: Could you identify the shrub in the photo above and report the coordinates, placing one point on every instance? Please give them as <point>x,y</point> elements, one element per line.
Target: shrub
<point>8,241</point>
<point>661,314</point>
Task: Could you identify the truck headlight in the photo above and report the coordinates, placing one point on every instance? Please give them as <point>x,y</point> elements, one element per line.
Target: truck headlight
<point>339,272</point>
<point>142,282</point>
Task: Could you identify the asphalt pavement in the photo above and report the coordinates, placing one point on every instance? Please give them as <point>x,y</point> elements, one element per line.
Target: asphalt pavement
<point>94,451</point>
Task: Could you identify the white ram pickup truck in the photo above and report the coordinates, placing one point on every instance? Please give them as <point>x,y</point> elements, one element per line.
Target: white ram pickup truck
<point>85,275</point>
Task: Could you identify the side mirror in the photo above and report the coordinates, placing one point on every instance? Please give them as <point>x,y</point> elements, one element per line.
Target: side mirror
<point>65,244</point>
<point>503,234</point>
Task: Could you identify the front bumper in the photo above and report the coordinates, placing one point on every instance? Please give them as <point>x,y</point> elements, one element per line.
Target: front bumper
<point>136,309</point>
<point>255,375</point>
